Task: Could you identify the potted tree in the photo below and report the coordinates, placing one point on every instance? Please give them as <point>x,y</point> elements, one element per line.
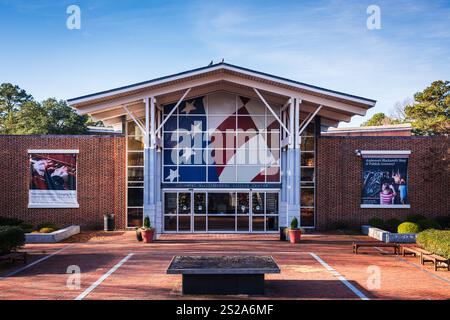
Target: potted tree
<point>147,232</point>
<point>294,232</point>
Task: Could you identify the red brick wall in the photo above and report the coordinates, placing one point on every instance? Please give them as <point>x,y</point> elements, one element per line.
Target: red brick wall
<point>101,180</point>
<point>339,178</point>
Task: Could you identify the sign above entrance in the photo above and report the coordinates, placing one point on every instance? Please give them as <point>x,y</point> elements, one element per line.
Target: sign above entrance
<point>221,185</point>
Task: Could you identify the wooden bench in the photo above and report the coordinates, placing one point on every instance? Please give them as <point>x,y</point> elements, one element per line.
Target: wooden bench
<point>438,261</point>
<point>357,245</point>
<point>415,252</point>
<point>223,274</point>
<point>15,256</point>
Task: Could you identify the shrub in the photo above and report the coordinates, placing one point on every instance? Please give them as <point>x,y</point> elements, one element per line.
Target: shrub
<point>429,224</point>
<point>294,223</point>
<point>10,221</point>
<point>444,222</point>
<point>26,227</point>
<point>392,225</point>
<point>415,218</point>
<point>46,230</point>
<point>47,225</point>
<point>436,241</point>
<point>408,227</point>
<point>377,223</point>
<point>11,238</point>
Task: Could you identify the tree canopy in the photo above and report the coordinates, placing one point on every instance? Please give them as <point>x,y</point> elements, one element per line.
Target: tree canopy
<point>428,113</point>
<point>378,119</point>
<point>21,114</point>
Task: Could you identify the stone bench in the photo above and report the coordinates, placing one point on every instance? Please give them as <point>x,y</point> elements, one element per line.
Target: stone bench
<point>223,274</point>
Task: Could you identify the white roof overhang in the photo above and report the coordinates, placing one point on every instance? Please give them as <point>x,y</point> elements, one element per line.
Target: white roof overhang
<point>107,105</point>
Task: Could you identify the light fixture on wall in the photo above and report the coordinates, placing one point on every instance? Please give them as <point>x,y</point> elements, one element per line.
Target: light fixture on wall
<point>358,153</point>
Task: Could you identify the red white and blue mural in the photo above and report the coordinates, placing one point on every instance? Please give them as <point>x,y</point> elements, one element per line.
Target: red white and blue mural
<point>221,138</point>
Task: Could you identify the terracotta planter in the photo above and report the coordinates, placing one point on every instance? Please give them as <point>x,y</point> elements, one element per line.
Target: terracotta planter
<point>147,235</point>
<point>294,235</point>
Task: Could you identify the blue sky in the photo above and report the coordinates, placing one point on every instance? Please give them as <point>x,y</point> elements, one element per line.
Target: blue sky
<point>325,43</point>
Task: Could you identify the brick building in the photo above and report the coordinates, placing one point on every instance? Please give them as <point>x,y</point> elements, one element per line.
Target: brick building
<point>222,149</point>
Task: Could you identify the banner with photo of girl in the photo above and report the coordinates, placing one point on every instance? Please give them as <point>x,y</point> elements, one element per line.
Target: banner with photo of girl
<point>53,179</point>
<point>385,181</point>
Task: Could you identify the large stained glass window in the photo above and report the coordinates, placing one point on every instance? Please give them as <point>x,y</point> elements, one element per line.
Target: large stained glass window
<point>221,138</point>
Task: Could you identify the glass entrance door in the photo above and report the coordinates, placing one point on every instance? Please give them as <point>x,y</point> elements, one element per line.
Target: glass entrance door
<point>221,211</point>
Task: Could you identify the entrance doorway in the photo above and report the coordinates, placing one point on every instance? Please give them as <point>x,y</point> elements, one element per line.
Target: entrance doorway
<point>221,211</point>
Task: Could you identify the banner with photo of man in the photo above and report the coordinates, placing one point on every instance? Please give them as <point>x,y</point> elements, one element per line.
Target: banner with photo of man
<point>385,181</point>
<point>53,179</point>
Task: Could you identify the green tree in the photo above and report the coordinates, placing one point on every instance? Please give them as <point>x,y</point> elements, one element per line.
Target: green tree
<point>11,100</point>
<point>430,112</point>
<point>31,119</point>
<point>21,114</point>
<point>378,119</point>
<point>62,119</point>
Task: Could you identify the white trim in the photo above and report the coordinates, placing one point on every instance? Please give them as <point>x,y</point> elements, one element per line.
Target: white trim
<point>385,152</point>
<point>53,206</point>
<point>103,277</point>
<point>53,151</point>
<point>224,67</point>
<point>340,277</point>
<point>385,206</point>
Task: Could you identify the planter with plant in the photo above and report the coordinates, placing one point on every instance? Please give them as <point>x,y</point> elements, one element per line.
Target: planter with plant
<point>147,232</point>
<point>294,232</point>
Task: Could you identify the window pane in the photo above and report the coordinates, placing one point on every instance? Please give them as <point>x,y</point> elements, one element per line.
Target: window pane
<point>258,223</point>
<point>135,216</point>
<point>243,223</point>
<point>307,217</point>
<point>258,203</point>
<point>135,143</point>
<point>221,223</point>
<point>307,144</point>
<point>243,203</point>
<point>200,203</point>
<point>307,197</point>
<point>200,223</point>
<point>271,223</point>
<point>307,159</point>
<point>135,158</point>
<point>135,197</point>
<point>184,203</point>
<point>309,131</point>
<point>307,174</point>
<point>135,174</point>
<point>133,129</point>
<point>272,203</point>
<point>222,203</point>
<point>170,223</point>
<point>170,203</point>
<point>184,223</point>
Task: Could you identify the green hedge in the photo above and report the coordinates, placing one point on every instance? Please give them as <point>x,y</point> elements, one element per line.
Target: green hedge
<point>408,227</point>
<point>377,223</point>
<point>9,221</point>
<point>11,238</point>
<point>428,224</point>
<point>436,241</point>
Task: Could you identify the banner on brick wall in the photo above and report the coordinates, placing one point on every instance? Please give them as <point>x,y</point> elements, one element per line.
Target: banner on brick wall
<point>53,179</point>
<point>385,181</point>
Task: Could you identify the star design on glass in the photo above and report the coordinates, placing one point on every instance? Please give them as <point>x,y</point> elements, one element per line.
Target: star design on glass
<point>189,107</point>
<point>172,175</point>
